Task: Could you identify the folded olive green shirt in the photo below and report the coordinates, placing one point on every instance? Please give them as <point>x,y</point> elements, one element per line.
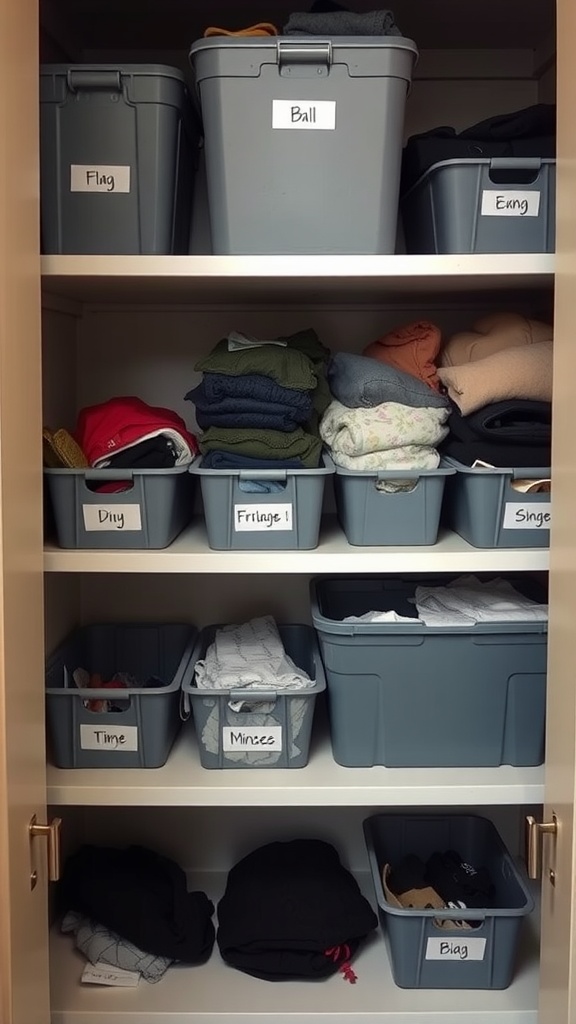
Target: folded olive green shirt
<point>264,444</point>
<point>287,366</point>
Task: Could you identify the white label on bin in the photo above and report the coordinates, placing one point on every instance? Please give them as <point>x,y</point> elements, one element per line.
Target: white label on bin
<point>109,737</point>
<point>254,737</point>
<point>510,204</point>
<point>315,115</point>
<point>455,949</point>
<point>519,515</point>
<point>99,178</point>
<point>251,518</point>
<point>111,518</point>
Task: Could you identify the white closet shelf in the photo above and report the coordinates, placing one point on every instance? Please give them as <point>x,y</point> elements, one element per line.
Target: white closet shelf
<point>190,553</point>
<point>216,992</point>
<point>182,782</point>
<point>205,279</point>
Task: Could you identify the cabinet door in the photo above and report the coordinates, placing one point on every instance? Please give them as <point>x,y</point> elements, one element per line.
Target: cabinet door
<point>558,958</point>
<point>24,991</point>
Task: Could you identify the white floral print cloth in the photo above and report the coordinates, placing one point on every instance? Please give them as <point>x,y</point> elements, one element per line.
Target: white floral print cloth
<point>389,436</point>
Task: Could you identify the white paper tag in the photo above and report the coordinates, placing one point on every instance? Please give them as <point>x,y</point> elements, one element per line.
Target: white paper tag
<point>262,518</point>
<point>315,115</point>
<point>121,738</point>
<point>99,178</point>
<point>112,518</point>
<point>103,974</point>
<point>519,515</point>
<point>254,737</point>
<point>455,949</point>
<point>510,204</point>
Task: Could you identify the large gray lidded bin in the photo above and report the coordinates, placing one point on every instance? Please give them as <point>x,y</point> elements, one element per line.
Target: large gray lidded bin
<point>150,514</point>
<point>225,734</point>
<point>303,141</point>
<point>408,695</point>
<point>372,516</point>
<point>140,736</point>
<point>118,155</point>
<point>486,954</point>
<point>286,520</point>
<point>503,204</point>
<point>483,507</point>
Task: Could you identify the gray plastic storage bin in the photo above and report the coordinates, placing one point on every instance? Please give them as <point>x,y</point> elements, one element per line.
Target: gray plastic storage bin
<point>279,735</point>
<point>424,955</point>
<point>410,695</point>
<point>369,515</point>
<point>503,204</point>
<point>287,520</point>
<point>149,515</point>
<point>303,140</point>
<point>483,507</point>
<point>142,735</point>
<point>118,157</point>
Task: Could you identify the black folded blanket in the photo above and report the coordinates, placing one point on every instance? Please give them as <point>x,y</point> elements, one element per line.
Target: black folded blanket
<point>514,433</point>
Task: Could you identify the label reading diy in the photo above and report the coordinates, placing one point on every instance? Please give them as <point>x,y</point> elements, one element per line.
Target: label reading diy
<point>123,518</point>
<point>262,518</point>
<point>520,515</point>
<point>311,115</point>
<point>455,949</point>
<point>109,737</point>
<point>254,737</point>
<point>510,204</point>
<point>99,178</point>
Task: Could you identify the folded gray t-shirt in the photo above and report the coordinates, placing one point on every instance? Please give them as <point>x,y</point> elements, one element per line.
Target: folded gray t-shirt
<point>362,382</point>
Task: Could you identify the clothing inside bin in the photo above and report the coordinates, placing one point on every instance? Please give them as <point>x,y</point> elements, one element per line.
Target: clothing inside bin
<point>444,882</point>
<point>85,680</point>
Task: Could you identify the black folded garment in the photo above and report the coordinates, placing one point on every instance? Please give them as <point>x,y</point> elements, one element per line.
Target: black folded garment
<point>142,897</point>
<point>291,910</point>
<point>153,453</point>
<point>502,456</point>
<point>515,433</point>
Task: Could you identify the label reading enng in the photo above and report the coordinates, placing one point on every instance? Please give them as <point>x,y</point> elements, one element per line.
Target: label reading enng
<point>311,115</point>
<point>109,737</point>
<point>519,515</point>
<point>262,518</point>
<point>455,949</point>
<point>510,204</point>
<point>99,178</point>
<point>113,518</point>
<point>254,737</point>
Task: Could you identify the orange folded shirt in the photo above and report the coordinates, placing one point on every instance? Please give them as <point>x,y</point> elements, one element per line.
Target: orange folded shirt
<point>412,349</point>
<point>263,28</point>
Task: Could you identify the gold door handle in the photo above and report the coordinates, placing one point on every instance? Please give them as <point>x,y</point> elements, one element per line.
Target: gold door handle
<point>52,834</point>
<point>535,830</point>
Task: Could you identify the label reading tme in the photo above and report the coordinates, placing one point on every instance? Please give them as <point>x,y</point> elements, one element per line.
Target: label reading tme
<point>99,178</point>
<point>102,518</point>
<point>520,515</point>
<point>510,204</point>
<point>310,115</point>
<point>262,518</point>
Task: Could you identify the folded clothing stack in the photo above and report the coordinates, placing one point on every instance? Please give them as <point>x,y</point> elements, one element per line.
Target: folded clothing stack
<point>291,910</point>
<point>131,909</point>
<point>327,18</point>
<point>258,402</point>
<point>387,412</point>
<point>499,379</point>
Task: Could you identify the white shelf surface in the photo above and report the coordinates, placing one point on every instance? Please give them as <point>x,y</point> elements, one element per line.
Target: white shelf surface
<point>190,553</point>
<point>182,782</point>
<point>246,279</point>
<point>217,992</point>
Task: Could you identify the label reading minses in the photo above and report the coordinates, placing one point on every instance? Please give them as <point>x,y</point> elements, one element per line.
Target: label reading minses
<point>455,949</point>
<point>262,518</point>
<point>99,178</point>
<point>109,737</point>
<point>112,518</point>
<point>510,204</point>
<point>255,737</point>
<point>315,115</point>
<point>520,515</point>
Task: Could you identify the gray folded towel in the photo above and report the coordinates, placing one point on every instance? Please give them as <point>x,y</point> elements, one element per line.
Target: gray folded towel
<point>362,382</point>
<point>342,23</point>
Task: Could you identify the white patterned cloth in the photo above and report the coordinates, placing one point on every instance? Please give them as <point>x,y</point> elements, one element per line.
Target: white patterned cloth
<point>468,600</point>
<point>385,428</point>
<point>412,456</point>
<point>99,945</point>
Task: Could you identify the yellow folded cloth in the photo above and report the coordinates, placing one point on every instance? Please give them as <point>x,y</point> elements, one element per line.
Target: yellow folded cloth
<point>60,451</point>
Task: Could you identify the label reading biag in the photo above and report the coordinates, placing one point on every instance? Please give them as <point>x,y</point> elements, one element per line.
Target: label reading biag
<point>253,737</point>
<point>112,518</point>
<point>109,737</point>
<point>312,115</point>
<point>510,204</point>
<point>455,949</point>
<point>520,515</point>
<point>262,518</point>
<point>99,178</point>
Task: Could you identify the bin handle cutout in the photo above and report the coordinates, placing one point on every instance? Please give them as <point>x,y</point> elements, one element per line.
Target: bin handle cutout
<point>514,171</point>
<point>84,78</point>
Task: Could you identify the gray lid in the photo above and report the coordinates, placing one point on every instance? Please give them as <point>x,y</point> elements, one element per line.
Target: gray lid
<point>158,70</point>
<point>271,43</point>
